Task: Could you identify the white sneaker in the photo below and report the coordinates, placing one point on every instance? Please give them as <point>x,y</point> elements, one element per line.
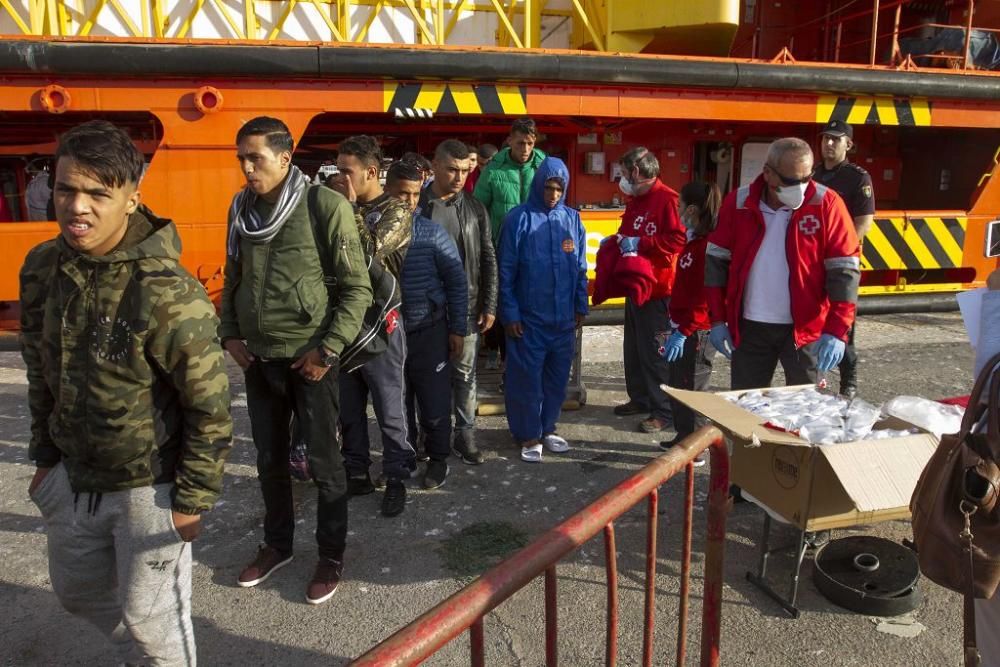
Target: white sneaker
<point>555,443</point>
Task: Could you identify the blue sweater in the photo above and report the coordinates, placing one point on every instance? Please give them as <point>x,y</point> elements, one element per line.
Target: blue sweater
<point>433,280</point>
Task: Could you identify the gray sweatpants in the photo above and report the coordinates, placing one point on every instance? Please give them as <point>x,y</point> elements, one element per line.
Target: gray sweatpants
<point>119,563</point>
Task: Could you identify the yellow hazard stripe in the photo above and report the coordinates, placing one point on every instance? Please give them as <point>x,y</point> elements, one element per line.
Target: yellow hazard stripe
<point>947,241</point>
<point>874,110</point>
<point>465,98</point>
<point>921,110</point>
<point>455,98</point>
<point>916,243</point>
<point>887,111</point>
<point>859,112</point>
<point>511,100</point>
<point>430,96</point>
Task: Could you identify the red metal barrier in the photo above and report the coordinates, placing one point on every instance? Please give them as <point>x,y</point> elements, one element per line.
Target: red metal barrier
<point>465,609</point>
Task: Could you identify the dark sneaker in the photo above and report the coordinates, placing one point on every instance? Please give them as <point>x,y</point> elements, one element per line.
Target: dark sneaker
<point>267,562</point>
<point>437,472</point>
<point>654,425</point>
<point>666,445</point>
<point>420,447</point>
<point>394,500</point>
<point>360,485</point>
<point>628,409</point>
<point>465,448</point>
<point>325,580</point>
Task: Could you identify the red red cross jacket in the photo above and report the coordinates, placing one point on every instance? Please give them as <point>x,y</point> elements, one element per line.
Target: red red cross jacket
<point>823,261</point>
<point>653,217</point>
<point>689,303</point>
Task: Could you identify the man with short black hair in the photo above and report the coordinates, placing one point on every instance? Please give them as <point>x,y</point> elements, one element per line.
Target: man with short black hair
<point>467,222</point>
<point>854,186</point>
<point>129,402</point>
<point>294,296</point>
<point>385,226</point>
<point>435,310</point>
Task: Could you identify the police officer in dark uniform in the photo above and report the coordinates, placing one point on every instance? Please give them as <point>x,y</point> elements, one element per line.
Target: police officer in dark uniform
<point>854,185</point>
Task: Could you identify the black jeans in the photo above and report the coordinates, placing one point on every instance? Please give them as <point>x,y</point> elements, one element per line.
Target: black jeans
<point>762,346</point>
<point>274,393</point>
<point>428,388</point>
<point>692,371</point>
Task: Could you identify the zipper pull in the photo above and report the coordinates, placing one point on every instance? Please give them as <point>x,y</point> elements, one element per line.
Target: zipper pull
<point>347,257</point>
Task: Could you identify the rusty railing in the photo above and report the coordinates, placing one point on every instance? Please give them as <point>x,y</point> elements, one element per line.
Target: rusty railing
<point>466,609</point>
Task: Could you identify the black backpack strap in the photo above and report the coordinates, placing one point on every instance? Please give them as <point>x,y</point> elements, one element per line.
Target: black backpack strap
<point>322,246</point>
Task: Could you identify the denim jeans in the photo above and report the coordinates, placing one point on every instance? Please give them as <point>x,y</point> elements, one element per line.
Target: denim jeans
<point>463,382</point>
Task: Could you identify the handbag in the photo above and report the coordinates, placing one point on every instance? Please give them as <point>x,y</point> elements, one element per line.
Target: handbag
<point>954,506</point>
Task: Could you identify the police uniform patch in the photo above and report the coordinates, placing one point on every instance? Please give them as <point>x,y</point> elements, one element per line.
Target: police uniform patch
<point>568,246</point>
<point>866,190</point>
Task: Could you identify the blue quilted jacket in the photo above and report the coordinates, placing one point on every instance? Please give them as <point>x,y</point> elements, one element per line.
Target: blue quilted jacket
<point>433,280</point>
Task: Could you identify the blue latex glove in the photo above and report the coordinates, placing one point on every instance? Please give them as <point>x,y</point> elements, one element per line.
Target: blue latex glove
<point>628,244</point>
<point>829,352</point>
<point>721,339</point>
<point>673,349</point>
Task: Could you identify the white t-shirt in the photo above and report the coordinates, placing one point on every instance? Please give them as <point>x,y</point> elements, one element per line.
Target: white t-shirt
<point>766,297</point>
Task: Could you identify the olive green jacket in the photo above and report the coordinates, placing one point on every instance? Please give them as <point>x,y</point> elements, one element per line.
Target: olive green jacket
<point>275,295</point>
<point>127,383</point>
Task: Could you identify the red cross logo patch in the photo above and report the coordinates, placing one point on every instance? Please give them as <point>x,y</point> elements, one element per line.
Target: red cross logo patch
<point>637,223</point>
<point>687,260</point>
<point>650,228</point>
<point>809,225</point>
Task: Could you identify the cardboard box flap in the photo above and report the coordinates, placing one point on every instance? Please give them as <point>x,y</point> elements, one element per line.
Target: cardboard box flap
<point>880,474</point>
<point>732,418</point>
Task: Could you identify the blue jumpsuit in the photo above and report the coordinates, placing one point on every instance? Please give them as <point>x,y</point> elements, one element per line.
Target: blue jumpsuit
<point>543,285</point>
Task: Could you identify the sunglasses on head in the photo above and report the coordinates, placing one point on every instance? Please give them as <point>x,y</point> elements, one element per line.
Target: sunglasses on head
<point>790,181</point>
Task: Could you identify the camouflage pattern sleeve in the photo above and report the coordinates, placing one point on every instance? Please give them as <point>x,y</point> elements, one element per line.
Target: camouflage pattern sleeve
<point>35,279</point>
<point>391,235</point>
<point>184,344</point>
<point>336,221</point>
<point>230,325</point>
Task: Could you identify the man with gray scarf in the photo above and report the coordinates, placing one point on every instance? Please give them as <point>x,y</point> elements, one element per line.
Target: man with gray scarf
<point>294,295</point>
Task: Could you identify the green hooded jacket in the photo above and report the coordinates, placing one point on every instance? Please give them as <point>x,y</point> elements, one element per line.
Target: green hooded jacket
<point>504,185</point>
<point>127,382</point>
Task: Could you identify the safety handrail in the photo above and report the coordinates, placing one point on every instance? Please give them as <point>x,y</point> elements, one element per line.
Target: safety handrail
<point>466,609</point>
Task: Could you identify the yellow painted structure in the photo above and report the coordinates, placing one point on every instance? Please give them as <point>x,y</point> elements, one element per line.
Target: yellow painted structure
<point>705,27</point>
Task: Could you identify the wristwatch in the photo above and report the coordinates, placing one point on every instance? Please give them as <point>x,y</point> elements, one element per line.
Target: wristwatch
<point>328,359</point>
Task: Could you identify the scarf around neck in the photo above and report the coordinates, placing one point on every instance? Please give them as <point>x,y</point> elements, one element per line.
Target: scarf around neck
<point>245,222</point>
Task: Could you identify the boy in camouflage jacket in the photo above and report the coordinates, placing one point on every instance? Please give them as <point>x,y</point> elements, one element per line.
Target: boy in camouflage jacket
<point>129,402</point>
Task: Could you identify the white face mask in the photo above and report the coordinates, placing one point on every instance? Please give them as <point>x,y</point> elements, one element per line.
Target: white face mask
<point>626,186</point>
<point>792,196</point>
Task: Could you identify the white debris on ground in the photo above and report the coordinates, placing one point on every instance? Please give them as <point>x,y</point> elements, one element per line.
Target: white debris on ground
<point>901,626</point>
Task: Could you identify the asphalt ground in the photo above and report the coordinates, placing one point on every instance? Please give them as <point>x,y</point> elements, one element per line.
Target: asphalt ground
<point>397,568</point>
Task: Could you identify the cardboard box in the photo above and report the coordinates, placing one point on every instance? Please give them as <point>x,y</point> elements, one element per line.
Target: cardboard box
<point>817,487</point>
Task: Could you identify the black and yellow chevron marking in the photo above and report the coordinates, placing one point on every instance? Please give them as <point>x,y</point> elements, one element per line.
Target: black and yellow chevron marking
<point>456,98</point>
<point>914,243</point>
<point>874,110</point>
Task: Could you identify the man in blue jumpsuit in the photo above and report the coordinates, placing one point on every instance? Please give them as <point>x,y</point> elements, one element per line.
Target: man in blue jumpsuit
<point>543,300</point>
